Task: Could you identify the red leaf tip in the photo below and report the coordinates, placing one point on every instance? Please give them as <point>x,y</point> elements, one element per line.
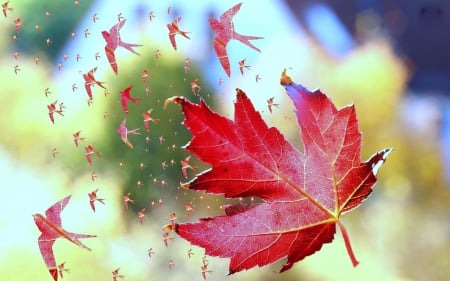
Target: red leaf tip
<point>170,227</point>
<point>185,185</point>
<point>285,79</point>
<point>175,99</point>
<point>379,159</point>
<point>240,93</point>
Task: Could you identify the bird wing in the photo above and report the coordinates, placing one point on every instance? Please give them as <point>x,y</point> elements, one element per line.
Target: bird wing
<point>221,52</point>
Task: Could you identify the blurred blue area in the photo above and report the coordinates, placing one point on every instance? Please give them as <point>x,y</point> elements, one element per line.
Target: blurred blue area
<point>328,29</point>
<point>445,139</point>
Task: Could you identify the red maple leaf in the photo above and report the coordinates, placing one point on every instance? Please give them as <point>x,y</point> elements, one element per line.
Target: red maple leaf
<point>303,193</point>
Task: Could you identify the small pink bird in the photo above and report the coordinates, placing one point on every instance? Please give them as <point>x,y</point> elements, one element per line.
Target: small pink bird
<point>151,15</point>
<point>173,218</point>
<point>16,69</point>
<point>93,197</point>
<point>124,132</point>
<point>150,252</point>
<point>52,109</point>
<point>120,17</point>
<point>147,116</point>
<point>271,103</point>
<point>167,238</point>
<point>188,209</point>
<point>89,80</point>
<point>145,75</point>
<point>190,253</point>
<point>76,138</point>
<point>174,30</point>
<point>141,215</point>
<point>18,24</point>
<point>187,66</point>
<point>224,31</point>
<point>113,41</point>
<point>195,88</point>
<point>127,199</point>
<point>61,269</point>
<point>6,8</point>
<point>125,96</point>
<point>157,54</point>
<point>94,17</point>
<point>89,152</point>
<point>54,152</point>
<point>242,65</point>
<point>204,268</point>
<point>185,165</point>
<point>116,274</point>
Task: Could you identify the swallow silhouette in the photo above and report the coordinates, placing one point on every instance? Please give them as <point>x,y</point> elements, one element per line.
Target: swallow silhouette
<point>113,41</point>
<point>224,31</point>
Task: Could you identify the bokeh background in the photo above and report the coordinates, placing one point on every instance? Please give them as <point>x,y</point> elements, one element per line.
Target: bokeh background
<point>389,58</point>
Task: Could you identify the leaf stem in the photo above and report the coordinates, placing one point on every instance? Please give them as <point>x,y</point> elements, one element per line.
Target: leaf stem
<point>355,262</point>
